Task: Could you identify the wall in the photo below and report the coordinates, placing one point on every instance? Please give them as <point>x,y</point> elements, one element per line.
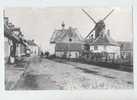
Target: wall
<point>6,48</point>
<point>59,53</point>
<point>72,54</point>
<point>18,53</point>
<point>34,50</point>
<point>20,50</point>
<point>114,49</point>
<point>100,48</point>
<point>108,49</point>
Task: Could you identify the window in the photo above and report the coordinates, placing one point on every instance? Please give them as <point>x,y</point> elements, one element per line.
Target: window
<point>70,40</point>
<point>105,47</point>
<point>95,47</point>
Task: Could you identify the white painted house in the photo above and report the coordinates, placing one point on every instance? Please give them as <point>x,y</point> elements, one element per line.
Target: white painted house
<point>14,46</point>
<point>33,47</point>
<point>104,43</point>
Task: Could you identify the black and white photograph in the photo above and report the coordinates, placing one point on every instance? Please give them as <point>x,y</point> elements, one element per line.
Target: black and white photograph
<point>68,48</point>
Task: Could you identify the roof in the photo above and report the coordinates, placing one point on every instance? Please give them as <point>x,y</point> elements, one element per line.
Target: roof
<point>87,41</point>
<point>31,42</point>
<point>68,47</point>
<point>59,35</point>
<point>9,34</point>
<point>104,39</point>
<point>8,30</point>
<point>125,45</point>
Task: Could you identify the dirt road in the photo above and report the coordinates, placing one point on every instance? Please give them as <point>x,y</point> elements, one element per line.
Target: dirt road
<point>44,74</point>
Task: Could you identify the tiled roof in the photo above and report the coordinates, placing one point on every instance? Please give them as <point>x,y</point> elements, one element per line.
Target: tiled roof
<point>104,39</point>
<point>68,47</point>
<point>58,35</point>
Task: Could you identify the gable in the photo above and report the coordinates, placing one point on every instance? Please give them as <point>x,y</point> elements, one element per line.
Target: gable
<point>65,35</point>
<point>71,38</point>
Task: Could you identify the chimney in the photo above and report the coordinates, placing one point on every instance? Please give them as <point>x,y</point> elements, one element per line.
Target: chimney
<point>63,25</point>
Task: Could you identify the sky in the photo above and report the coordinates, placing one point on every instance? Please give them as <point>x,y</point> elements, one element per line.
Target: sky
<point>40,23</point>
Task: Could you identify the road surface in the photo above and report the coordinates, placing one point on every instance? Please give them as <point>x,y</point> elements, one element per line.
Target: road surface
<point>45,74</point>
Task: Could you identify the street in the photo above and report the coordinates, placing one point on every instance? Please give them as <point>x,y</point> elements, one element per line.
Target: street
<point>45,74</point>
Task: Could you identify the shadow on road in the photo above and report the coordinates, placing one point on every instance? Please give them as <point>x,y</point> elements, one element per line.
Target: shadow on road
<point>30,81</point>
<point>88,71</point>
<point>85,70</point>
<point>100,64</point>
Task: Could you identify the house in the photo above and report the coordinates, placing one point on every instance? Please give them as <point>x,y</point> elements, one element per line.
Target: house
<point>14,46</point>
<point>20,45</point>
<point>33,47</point>
<point>106,45</point>
<point>6,39</point>
<point>21,49</point>
<point>68,43</point>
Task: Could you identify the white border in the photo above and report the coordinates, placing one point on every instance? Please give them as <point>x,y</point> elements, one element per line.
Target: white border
<point>66,95</point>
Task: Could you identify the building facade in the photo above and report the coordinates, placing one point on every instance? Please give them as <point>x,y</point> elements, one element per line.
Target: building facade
<point>33,48</point>
<point>106,45</point>
<point>15,46</point>
<point>68,43</point>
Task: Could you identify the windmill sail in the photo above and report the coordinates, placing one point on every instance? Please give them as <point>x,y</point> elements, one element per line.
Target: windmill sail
<point>99,26</point>
<point>88,16</point>
<point>108,15</point>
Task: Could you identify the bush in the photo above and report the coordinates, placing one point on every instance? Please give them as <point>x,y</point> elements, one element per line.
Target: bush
<point>52,56</point>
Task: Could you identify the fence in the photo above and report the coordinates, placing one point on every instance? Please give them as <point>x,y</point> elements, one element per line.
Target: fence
<point>125,58</point>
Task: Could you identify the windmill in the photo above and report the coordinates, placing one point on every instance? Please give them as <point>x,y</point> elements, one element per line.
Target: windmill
<point>99,26</point>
